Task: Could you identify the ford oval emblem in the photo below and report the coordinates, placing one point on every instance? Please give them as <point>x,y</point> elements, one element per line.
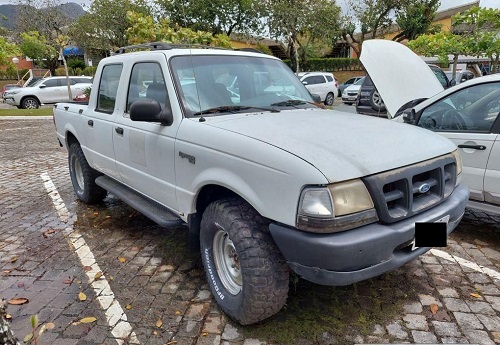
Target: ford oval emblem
<point>424,188</point>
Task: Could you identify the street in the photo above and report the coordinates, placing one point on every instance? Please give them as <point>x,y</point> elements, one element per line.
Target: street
<point>105,274</point>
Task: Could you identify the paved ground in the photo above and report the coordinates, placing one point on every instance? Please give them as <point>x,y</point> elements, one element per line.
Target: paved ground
<point>53,248</point>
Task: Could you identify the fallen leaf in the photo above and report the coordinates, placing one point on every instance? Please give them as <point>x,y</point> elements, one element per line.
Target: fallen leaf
<point>177,312</point>
<point>48,232</point>
<point>82,297</point>
<point>475,295</point>
<point>87,268</point>
<point>111,278</point>
<point>155,333</point>
<point>88,319</point>
<point>8,316</point>
<point>128,307</point>
<point>107,217</point>
<point>13,259</point>
<point>98,275</point>
<point>159,323</point>
<point>67,281</point>
<point>434,308</point>
<point>96,214</point>
<point>204,334</point>
<point>20,284</point>
<point>171,342</point>
<point>28,338</point>
<point>122,260</point>
<point>18,301</point>
<point>7,271</point>
<point>50,325</point>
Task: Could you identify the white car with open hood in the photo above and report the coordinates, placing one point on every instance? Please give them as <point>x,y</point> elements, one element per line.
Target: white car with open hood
<point>265,179</point>
<point>467,114</point>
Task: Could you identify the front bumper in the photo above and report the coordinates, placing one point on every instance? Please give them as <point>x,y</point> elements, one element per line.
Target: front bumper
<point>9,101</point>
<point>350,256</point>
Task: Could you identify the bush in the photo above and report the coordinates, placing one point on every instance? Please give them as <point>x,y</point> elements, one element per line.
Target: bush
<point>330,64</point>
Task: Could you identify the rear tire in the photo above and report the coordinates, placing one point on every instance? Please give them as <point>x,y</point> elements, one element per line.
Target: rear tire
<point>246,272</point>
<point>329,99</point>
<point>30,103</point>
<point>83,177</point>
<point>376,101</point>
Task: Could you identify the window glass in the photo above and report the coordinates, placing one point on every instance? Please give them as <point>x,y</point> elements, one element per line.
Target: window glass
<point>329,78</point>
<point>146,81</point>
<point>108,88</point>
<point>50,83</point>
<point>473,109</point>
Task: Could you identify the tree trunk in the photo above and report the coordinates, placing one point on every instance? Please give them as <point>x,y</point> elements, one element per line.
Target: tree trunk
<point>454,74</point>
<point>67,75</point>
<point>294,54</point>
<point>494,64</point>
<point>6,335</point>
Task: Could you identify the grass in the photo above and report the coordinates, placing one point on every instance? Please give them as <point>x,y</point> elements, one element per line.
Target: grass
<point>26,112</point>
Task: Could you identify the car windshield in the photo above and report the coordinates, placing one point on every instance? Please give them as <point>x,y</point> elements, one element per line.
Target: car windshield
<point>38,82</point>
<point>213,84</point>
<point>359,81</point>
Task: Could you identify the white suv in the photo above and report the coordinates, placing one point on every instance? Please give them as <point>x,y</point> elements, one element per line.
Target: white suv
<point>46,91</point>
<point>320,83</point>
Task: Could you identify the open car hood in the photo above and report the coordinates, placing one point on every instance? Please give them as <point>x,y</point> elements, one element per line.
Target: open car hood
<point>399,74</point>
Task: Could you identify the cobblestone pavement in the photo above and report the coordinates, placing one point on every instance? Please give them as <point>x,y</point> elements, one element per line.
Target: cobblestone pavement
<point>152,290</point>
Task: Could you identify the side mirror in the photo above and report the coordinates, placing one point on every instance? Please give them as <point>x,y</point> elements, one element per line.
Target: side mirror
<point>316,98</point>
<point>453,82</point>
<point>42,86</point>
<point>149,110</point>
<point>409,116</point>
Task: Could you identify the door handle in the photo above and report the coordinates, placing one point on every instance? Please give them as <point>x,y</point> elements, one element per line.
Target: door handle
<point>90,123</point>
<point>119,130</point>
<point>475,147</point>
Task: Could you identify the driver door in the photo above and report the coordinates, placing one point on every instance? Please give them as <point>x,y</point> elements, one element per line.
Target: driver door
<point>466,117</point>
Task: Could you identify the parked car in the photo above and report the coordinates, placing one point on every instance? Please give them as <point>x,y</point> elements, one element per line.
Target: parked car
<point>467,114</point>
<point>370,102</point>
<point>320,83</point>
<point>46,91</point>
<point>460,76</point>
<point>8,87</point>
<point>347,83</point>
<point>350,93</point>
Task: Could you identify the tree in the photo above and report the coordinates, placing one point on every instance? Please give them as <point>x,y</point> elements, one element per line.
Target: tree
<point>442,45</point>
<point>75,63</point>
<point>216,16</point>
<point>310,20</point>
<point>366,19</point>
<point>7,51</point>
<point>44,17</point>
<point>36,47</point>
<point>145,29</point>
<point>105,25</point>
<point>482,25</point>
<point>415,18</point>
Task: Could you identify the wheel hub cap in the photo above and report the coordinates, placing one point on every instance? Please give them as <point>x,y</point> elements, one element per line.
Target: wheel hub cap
<point>78,173</point>
<point>227,262</point>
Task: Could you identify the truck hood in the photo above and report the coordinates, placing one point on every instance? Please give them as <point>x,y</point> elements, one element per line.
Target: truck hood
<point>342,146</point>
<point>399,75</point>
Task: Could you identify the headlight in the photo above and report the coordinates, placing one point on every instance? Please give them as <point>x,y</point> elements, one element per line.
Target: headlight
<point>12,93</point>
<point>458,159</point>
<point>337,207</point>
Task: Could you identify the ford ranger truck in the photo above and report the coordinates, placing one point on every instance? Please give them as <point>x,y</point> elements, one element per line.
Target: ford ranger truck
<point>232,144</point>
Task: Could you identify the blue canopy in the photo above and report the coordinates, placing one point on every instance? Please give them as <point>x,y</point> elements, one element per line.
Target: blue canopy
<point>72,51</point>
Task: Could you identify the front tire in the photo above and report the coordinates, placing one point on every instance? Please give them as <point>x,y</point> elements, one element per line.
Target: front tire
<point>30,103</point>
<point>83,177</point>
<point>245,270</point>
<point>329,99</point>
<point>376,101</point>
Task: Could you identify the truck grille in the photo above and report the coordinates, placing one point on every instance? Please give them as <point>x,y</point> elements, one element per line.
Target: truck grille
<point>404,192</point>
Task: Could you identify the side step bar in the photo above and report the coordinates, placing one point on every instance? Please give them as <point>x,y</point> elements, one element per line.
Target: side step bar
<point>151,209</point>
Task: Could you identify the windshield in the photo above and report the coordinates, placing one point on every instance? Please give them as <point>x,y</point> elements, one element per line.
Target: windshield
<point>359,81</point>
<point>214,84</point>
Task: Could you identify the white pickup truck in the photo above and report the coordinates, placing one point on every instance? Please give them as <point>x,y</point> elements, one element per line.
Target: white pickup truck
<point>233,145</point>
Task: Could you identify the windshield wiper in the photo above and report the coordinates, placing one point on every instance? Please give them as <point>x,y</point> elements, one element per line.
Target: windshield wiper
<point>234,109</point>
<point>289,103</point>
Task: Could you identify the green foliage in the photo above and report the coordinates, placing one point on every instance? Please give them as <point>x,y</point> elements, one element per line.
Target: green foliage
<point>263,49</point>
<point>105,25</point>
<point>415,18</point>
<point>7,51</point>
<point>76,64</point>
<point>144,28</point>
<point>35,45</point>
<point>216,16</point>
<point>329,64</point>
<point>441,45</point>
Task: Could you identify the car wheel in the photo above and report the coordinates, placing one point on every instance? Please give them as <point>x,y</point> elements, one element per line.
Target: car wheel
<point>376,101</point>
<point>329,99</point>
<point>246,273</point>
<point>30,103</point>
<point>83,177</point>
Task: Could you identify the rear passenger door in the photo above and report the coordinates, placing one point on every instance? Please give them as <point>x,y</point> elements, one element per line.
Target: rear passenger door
<point>316,84</point>
<point>145,150</point>
<point>99,126</point>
